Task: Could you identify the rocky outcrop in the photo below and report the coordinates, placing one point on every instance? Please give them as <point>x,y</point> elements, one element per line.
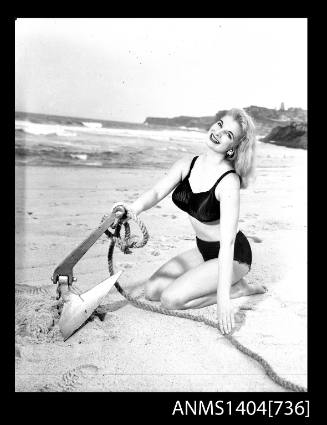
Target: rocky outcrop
<point>293,135</point>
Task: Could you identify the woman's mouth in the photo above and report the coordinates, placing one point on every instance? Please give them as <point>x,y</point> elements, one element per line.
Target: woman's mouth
<point>214,139</point>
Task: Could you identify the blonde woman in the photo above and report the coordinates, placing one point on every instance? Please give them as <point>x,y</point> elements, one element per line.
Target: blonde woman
<point>207,187</point>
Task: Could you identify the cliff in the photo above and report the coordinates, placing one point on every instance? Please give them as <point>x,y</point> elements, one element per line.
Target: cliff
<point>266,119</point>
<point>293,135</point>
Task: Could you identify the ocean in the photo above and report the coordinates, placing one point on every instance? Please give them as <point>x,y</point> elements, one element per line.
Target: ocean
<point>49,140</point>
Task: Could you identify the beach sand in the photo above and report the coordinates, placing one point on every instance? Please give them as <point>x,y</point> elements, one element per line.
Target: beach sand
<point>128,349</point>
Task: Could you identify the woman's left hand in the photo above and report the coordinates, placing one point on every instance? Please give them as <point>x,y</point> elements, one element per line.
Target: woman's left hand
<point>225,316</point>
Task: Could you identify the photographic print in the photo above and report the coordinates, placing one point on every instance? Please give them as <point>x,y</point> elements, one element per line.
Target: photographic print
<point>161,205</point>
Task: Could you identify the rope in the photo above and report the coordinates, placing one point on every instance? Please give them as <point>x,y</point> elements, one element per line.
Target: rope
<point>128,243</point>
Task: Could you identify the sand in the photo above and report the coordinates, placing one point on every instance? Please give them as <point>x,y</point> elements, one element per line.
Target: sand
<point>128,349</point>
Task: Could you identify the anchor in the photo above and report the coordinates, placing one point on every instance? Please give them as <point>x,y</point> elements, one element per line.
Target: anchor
<point>79,307</point>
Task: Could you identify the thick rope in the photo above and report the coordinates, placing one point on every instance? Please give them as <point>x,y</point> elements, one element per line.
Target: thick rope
<point>125,245</point>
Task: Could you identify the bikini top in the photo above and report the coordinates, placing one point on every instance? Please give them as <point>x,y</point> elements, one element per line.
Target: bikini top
<point>203,206</point>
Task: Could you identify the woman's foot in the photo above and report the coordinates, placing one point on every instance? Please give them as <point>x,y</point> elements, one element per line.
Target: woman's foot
<point>243,288</point>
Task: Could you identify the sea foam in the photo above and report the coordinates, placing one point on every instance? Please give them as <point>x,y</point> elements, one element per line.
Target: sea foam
<point>164,135</point>
<point>92,124</point>
<point>43,129</point>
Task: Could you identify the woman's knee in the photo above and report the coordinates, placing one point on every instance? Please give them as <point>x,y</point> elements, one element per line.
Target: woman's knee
<point>151,292</point>
<point>154,287</point>
<point>171,301</point>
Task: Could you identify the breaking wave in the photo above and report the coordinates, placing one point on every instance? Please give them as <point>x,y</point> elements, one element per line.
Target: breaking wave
<point>92,124</point>
<point>43,129</point>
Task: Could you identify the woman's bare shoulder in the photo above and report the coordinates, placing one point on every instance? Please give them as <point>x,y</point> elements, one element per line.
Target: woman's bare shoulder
<point>184,164</point>
<point>228,184</point>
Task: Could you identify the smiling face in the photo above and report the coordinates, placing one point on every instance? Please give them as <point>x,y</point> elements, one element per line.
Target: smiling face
<point>224,134</point>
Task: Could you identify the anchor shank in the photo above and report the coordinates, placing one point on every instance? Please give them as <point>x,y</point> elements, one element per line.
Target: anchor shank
<point>65,268</point>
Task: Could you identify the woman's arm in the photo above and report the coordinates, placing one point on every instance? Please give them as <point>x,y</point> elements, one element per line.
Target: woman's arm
<point>229,195</point>
<point>163,187</point>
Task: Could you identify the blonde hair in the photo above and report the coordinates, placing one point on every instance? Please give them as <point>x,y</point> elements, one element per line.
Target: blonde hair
<point>245,149</point>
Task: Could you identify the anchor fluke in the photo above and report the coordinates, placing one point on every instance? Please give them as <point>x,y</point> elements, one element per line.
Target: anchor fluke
<point>78,308</point>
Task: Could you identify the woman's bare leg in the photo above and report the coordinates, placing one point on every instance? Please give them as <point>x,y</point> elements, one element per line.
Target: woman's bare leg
<point>197,287</point>
<point>170,271</point>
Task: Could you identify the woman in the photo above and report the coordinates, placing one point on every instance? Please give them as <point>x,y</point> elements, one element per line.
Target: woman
<point>207,187</point>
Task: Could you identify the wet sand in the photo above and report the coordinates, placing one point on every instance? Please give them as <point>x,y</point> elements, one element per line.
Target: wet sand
<point>128,349</point>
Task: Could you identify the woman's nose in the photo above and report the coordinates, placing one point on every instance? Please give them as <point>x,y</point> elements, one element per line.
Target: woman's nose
<point>219,131</point>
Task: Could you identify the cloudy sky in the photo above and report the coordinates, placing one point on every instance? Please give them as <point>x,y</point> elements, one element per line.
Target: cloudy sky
<point>126,69</point>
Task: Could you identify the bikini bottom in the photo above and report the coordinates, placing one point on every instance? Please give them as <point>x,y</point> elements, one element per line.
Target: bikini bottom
<point>242,249</point>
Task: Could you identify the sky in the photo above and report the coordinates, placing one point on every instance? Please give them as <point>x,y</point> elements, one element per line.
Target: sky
<point>127,69</point>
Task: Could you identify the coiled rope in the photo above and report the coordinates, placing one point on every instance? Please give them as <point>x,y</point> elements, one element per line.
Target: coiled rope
<point>125,245</point>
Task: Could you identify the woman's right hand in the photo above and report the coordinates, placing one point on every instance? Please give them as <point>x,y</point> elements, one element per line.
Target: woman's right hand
<point>126,206</point>
<point>225,316</point>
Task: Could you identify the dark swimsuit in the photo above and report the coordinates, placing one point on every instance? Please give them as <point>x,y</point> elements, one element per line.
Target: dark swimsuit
<point>205,207</point>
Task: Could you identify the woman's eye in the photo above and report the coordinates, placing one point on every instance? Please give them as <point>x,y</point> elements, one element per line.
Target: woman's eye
<point>229,135</point>
<point>219,123</point>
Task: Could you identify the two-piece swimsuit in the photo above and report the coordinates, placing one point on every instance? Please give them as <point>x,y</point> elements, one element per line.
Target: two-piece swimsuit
<point>205,207</point>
